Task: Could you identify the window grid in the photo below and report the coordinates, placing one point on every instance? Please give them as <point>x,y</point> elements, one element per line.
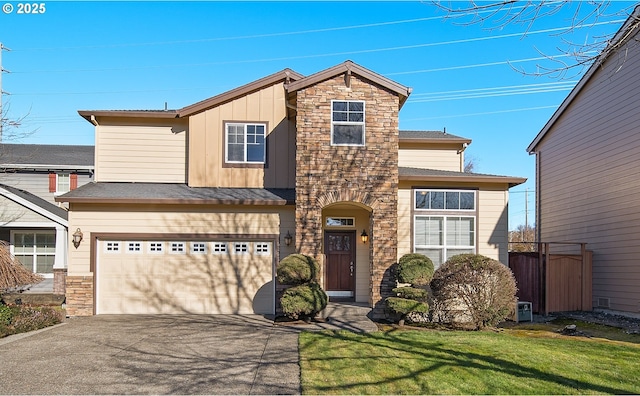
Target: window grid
<point>246,143</point>
<point>441,237</point>
<point>134,247</point>
<point>347,123</point>
<point>177,247</point>
<point>112,247</point>
<point>240,247</point>
<point>63,183</point>
<point>156,247</point>
<point>199,247</point>
<point>218,247</point>
<point>262,248</point>
<point>35,250</point>
<point>454,200</point>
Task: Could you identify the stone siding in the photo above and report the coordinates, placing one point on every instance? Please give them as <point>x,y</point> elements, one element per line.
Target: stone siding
<point>79,295</point>
<point>59,281</point>
<point>368,175</point>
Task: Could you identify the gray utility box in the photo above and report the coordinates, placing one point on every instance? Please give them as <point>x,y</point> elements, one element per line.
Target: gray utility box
<point>524,312</point>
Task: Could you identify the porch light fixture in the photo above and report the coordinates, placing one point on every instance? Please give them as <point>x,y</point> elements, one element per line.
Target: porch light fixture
<point>364,236</point>
<point>288,239</point>
<point>77,238</point>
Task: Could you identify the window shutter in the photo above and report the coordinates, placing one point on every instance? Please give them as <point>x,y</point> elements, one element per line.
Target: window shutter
<point>52,182</point>
<point>73,181</point>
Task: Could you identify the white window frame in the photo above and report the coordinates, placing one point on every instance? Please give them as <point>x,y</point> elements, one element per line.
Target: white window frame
<point>33,252</point>
<point>262,248</point>
<point>244,125</point>
<point>134,247</point>
<point>349,123</point>
<point>112,247</point>
<point>445,247</point>
<point>182,246</point>
<point>155,247</point>
<point>430,190</point>
<point>219,247</point>
<point>60,178</point>
<point>244,248</point>
<point>198,247</point>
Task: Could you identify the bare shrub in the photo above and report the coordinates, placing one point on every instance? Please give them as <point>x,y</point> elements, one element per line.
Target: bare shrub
<point>475,289</point>
<point>12,274</point>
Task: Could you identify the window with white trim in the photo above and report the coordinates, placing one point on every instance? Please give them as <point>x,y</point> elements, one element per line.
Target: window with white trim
<point>112,247</point>
<point>240,247</point>
<point>218,247</point>
<point>262,248</point>
<point>156,247</point>
<point>441,237</point>
<point>199,247</point>
<point>134,247</point>
<point>347,122</point>
<point>63,183</point>
<point>445,200</point>
<point>245,143</point>
<point>36,250</point>
<point>177,247</point>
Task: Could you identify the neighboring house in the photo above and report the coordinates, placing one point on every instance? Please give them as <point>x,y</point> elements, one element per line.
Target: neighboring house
<point>191,209</point>
<point>588,178</point>
<point>31,176</point>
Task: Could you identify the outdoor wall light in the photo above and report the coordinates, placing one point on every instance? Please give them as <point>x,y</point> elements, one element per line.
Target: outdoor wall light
<point>288,239</point>
<point>77,238</point>
<point>364,236</point>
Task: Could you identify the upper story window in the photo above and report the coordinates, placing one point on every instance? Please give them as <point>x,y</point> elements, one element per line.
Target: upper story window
<point>245,143</point>
<point>445,200</point>
<point>60,183</point>
<point>347,122</point>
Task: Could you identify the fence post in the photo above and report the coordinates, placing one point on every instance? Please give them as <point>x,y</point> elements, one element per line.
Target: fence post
<point>583,279</point>
<point>546,277</point>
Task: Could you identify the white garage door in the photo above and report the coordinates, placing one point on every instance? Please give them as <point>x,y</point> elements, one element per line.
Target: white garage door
<point>170,277</point>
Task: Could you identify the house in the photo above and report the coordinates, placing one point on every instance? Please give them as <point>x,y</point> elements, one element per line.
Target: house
<point>587,171</point>
<point>35,226</point>
<point>191,209</point>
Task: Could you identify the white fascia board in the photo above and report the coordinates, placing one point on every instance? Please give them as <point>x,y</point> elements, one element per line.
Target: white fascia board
<point>35,208</point>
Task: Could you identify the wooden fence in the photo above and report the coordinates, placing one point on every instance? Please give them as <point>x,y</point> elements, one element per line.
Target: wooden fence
<point>554,282</point>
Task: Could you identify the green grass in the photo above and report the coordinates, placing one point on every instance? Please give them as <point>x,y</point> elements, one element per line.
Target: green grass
<point>458,362</point>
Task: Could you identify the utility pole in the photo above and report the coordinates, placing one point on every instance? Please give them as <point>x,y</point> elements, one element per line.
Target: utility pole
<point>2,70</point>
<point>526,209</point>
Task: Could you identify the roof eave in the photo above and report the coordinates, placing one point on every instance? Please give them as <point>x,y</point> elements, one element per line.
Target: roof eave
<point>160,114</point>
<point>511,181</point>
<point>172,201</point>
<point>437,140</point>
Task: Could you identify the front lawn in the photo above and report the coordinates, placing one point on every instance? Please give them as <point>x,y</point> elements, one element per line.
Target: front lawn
<point>457,362</point>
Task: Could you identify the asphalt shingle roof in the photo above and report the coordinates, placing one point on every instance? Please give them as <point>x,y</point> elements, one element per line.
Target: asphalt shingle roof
<point>46,205</point>
<point>63,156</point>
<point>429,135</point>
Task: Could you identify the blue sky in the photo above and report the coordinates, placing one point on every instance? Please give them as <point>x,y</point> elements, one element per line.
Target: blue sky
<point>139,55</point>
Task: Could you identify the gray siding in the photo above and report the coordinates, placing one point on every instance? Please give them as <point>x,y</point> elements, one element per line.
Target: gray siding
<point>589,179</point>
<point>36,183</point>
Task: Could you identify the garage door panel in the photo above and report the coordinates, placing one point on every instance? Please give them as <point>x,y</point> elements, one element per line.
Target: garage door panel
<point>169,283</point>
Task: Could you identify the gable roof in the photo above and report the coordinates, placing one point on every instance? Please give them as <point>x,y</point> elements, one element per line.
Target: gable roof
<point>627,31</point>
<point>351,67</point>
<point>430,136</point>
<point>35,203</point>
<point>434,175</point>
<point>46,156</point>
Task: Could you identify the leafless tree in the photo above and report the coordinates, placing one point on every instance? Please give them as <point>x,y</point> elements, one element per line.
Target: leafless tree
<point>12,274</point>
<point>522,239</point>
<point>571,57</point>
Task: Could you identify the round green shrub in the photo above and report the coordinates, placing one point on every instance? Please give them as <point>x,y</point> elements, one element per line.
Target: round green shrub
<point>303,301</point>
<point>415,269</point>
<point>475,289</point>
<point>411,293</point>
<point>403,306</point>
<point>297,269</point>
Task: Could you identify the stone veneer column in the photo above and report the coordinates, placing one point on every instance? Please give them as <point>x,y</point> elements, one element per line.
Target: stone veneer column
<point>349,172</point>
<point>79,295</point>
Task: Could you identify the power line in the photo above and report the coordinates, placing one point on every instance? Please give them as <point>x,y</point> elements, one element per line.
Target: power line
<point>483,113</point>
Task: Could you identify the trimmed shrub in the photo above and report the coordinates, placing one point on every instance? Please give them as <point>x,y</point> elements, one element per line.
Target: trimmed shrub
<point>404,306</point>
<point>304,301</point>
<point>297,269</point>
<point>415,269</point>
<point>16,319</point>
<point>411,293</point>
<point>474,289</point>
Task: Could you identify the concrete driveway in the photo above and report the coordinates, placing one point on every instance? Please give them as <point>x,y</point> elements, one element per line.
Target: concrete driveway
<point>114,354</point>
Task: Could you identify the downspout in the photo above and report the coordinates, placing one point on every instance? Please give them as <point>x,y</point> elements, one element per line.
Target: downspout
<point>461,152</point>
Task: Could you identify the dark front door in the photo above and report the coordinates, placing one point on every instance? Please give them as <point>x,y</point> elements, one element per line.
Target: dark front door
<point>340,251</point>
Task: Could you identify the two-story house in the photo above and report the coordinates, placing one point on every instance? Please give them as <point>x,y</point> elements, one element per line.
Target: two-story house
<point>191,209</point>
<point>34,225</point>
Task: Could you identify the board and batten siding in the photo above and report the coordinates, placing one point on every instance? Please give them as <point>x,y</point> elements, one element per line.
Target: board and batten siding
<point>207,142</point>
<point>171,219</point>
<point>432,156</point>
<point>589,179</point>
<point>140,153</point>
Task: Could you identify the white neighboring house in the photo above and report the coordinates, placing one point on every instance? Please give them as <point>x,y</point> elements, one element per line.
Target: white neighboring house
<point>35,226</point>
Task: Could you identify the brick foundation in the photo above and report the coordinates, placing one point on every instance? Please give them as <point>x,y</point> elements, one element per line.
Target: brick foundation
<point>59,281</point>
<point>79,293</point>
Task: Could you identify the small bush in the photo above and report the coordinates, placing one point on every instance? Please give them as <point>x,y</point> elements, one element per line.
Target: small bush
<point>304,301</point>
<point>411,293</point>
<point>16,319</point>
<point>297,269</point>
<point>473,288</point>
<point>405,306</point>
<point>415,269</point>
